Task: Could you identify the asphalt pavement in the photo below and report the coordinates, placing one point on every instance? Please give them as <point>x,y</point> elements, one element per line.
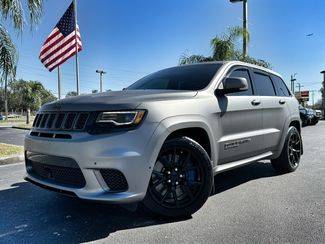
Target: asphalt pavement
<point>12,136</point>
<point>252,205</point>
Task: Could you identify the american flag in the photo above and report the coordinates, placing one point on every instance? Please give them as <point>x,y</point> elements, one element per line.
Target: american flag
<point>61,43</point>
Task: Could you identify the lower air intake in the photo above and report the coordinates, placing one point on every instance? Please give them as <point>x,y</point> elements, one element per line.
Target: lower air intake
<point>114,179</point>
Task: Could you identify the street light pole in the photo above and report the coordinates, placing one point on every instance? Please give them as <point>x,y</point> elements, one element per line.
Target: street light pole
<point>293,83</point>
<point>101,73</point>
<point>245,26</point>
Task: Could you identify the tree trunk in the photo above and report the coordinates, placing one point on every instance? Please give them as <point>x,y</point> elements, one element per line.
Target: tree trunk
<point>6,98</point>
<point>28,116</point>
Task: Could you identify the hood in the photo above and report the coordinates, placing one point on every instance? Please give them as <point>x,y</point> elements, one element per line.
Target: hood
<point>115,100</point>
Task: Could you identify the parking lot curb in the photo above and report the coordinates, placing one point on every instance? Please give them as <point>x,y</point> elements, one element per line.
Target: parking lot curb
<point>20,128</point>
<point>11,159</point>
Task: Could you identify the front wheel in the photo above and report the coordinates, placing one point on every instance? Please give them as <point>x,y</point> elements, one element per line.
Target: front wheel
<point>181,179</point>
<point>289,159</point>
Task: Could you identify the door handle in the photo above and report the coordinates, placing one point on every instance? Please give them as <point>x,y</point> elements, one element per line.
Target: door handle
<point>282,102</point>
<point>256,102</point>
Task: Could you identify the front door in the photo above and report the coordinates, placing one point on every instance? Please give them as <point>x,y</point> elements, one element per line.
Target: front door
<point>240,121</point>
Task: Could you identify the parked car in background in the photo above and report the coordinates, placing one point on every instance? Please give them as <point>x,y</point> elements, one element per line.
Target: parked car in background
<point>304,116</point>
<point>319,114</point>
<point>313,117</point>
<point>2,117</point>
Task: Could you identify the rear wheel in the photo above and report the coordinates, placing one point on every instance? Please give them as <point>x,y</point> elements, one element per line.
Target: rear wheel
<point>181,180</point>
<point>289,159</point>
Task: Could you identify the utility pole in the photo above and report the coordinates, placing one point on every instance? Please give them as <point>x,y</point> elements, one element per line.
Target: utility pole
<point>101,73</point>
<point>293,83</point>
<point>77,45</point>
<point>299,86</point>
<point>245,13</point>
<point>313,97</point>
<point>59,82</point>
<point>245,27</point>
<point>323,93</point>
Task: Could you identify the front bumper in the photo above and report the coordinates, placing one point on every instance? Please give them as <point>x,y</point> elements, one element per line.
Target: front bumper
<point>133,153</point>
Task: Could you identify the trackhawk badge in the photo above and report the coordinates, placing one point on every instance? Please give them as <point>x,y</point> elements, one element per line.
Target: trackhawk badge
<point>234,144</point>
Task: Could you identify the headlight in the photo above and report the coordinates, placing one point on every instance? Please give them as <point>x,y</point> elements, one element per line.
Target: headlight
<point>121,118</point>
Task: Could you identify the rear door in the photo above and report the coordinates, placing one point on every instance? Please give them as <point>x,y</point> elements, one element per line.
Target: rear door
<point>240,121</point>
<point>273,95</point>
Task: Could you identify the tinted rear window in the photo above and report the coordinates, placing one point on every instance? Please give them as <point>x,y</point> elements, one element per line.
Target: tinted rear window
<point>191,77</point>
<point>280,87</point>
<point>263,85</point>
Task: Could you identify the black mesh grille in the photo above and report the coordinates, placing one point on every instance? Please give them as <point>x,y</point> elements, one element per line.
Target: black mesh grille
<point>59,120</point>
<point>81,122</point>
<point>67,176</point>
<point>69,121</point>
<point>114,179</point>
<point>35,120</point>
<point>39,118</point>
<point>44,120</point>
<point>50,121</point>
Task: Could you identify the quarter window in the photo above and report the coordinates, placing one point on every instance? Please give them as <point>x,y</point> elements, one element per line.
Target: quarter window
<point>242,73</point>
<point>280,87</point>
<point>263,85</point>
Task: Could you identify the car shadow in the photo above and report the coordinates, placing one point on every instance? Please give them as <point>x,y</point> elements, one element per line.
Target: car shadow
<point>32,215</point>
<point>232,178</point>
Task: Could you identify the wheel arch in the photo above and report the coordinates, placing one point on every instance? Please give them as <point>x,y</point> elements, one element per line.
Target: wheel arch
<point>198,134</point>
<point>293,121</point>
<point>188,125</point>
<point>296,123</point>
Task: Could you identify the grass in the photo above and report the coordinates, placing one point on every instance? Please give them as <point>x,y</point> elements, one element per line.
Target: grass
<point>7,150</point>
<point>18,122</point>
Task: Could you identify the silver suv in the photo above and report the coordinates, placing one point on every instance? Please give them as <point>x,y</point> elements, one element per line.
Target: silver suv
<point>161,140</point>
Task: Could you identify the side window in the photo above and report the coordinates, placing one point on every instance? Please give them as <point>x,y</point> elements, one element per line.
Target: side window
<point>280,87</point>
<point>263,85</point>
<point>242,73</point>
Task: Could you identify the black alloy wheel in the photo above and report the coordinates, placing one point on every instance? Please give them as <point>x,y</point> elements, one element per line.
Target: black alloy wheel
<point>294,149</point>
<point>181,179</point>
<point>289,159</point>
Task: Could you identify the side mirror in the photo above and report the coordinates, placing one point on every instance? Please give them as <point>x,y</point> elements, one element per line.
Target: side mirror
<point>233,84</point>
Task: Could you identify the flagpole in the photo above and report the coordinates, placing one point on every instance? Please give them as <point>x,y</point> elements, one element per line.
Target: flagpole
<point>76,40</point>
<point>59,83</point>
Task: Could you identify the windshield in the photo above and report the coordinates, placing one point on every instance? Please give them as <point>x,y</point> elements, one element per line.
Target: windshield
<point>190,77</point>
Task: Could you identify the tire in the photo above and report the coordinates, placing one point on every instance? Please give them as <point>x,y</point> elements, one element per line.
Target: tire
<point>289,159</point>
<point>181,180</point>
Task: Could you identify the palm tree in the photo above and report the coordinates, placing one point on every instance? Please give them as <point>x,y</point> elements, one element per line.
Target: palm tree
<point>12,12</point>
<point>224,48</point>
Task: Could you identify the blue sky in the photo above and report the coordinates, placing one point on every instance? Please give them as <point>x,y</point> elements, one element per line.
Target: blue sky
<point>130,38</point>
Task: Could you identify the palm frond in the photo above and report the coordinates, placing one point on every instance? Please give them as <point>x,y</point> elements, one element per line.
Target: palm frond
<point>236,32</point>
<point>12,10</point>
<point>260,62</point>
<point>192,59</point>
<point>35,8</point>
<point>222,49</point>
<point>8,55</point>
